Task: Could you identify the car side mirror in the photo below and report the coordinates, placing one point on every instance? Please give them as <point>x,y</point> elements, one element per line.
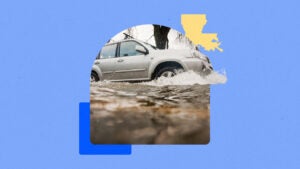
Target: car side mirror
<point>141,50</point>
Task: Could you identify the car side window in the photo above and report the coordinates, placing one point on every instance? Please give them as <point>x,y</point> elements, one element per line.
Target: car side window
<point>129,49</point>
<point>108,51</point>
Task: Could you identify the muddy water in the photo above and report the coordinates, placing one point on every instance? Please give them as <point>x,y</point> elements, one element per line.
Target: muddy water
<point>137,113</point>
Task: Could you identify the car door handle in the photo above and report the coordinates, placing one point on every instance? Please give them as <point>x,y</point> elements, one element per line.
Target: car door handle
<point>120,60</point>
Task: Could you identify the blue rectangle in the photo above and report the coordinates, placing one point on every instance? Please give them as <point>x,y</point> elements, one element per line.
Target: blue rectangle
<point>85,145</point>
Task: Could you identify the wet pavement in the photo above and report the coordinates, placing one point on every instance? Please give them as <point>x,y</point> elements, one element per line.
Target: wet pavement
<point>139,113</point>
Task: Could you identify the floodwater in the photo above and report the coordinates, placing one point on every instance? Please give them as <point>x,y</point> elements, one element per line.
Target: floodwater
<point>165,111</point>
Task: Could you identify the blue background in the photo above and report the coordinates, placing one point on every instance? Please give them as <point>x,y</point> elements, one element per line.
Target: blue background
<point>47,49</point>
<point>86,147</point>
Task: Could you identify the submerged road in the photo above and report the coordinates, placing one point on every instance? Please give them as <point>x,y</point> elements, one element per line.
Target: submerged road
<point>133,113</point>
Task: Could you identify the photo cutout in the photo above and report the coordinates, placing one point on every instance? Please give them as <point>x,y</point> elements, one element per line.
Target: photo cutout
<point>151,85</point>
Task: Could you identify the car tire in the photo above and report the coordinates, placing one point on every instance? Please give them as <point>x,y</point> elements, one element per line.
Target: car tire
<point>168,72</point>
<point>94,77</point>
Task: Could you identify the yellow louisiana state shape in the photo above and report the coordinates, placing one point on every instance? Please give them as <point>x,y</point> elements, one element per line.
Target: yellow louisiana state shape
<point>193,25</point>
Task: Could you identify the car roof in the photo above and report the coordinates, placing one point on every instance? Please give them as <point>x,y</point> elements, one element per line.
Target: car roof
<point>132,39</point>
<point>124,40</point>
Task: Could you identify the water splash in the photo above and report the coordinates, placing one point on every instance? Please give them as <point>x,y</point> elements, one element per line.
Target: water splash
<point>190,78</point>
<point>185,78</point>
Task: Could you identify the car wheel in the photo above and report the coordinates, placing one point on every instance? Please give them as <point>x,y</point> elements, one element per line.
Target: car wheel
<point>168,72</point>
<point>94,77</point>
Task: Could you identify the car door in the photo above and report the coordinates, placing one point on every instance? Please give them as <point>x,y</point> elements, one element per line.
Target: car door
<point>131,64</point>
<point>107,61</point>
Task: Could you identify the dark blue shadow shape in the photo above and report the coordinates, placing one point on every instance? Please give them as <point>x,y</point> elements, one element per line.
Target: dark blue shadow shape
<point>85,145</point>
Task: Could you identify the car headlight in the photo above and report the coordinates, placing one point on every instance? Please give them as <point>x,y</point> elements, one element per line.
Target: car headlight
<point>196,54</point>
<point>193,54</point>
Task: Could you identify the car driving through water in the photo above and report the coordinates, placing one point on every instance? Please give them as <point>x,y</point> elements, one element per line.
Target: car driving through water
<point>135,60</point>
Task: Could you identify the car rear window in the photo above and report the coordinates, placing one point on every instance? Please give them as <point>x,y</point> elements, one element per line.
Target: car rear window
<point>108,51</point>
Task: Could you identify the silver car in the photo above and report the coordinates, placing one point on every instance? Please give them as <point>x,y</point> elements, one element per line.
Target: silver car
<point>134,60</point>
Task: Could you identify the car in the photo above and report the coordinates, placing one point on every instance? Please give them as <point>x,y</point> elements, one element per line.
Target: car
<point>135,60</point>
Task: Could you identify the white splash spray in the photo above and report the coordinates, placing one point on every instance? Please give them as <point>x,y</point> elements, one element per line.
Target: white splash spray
<point>190,78</point>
